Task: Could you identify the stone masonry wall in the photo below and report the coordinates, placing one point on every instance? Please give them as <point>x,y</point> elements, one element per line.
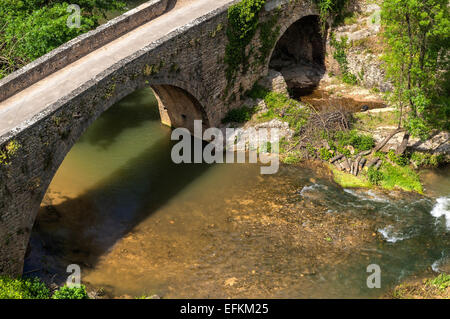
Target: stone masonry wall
<point>190,58</point>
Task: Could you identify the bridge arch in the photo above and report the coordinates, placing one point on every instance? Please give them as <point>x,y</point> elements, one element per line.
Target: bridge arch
<point>299,53</point>
<point>178,107</point>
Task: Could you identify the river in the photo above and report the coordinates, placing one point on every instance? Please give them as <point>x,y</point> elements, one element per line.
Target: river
<point>138,224</point>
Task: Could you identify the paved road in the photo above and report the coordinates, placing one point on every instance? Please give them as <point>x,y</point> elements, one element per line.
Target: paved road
<point>29,102</point>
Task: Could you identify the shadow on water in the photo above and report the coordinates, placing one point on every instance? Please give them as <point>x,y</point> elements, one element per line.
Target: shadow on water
<point>103,215</point>
<point>131,112</point>
<point>80,229</point>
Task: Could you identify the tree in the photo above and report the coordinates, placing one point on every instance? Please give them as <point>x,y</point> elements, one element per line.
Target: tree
<point>31,28</point>
<point>416,60</point>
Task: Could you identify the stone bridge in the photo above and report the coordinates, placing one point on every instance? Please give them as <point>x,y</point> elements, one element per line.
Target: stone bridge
<point>177,49</point>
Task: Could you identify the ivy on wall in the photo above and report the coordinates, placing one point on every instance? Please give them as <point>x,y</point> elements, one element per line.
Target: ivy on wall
<point>340,55</point>
<point>243,19</point>
<point>330,9</point>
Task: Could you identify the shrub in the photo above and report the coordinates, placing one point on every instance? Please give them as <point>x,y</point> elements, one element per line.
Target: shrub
<point>360,142</point>
<point>293,158</point>
<point>401,160</point>
<point>71,293</point>
<point>374,176</point>
<point>442,281</point>
<point>325,154</point>
<point>427,160</point>
<point>239,115</point>
<point>23,289</point>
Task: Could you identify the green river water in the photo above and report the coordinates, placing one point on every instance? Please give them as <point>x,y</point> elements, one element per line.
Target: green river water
<point>139,224</point>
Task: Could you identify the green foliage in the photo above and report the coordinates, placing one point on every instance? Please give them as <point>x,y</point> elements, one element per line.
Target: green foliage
<point>348,180</point>
<point>269,32</point>
<point>358,141</point>
<point>31,28</point>
<point>8,152</point>
<point>239,115</point>
<point>374,176</point>
<point>442,281</point>
<point>280,106</point>
<point>330,9</point>
<point>23,289</point>
<point>401,160</point>
<point>417,62</point>
<point>242,26</point>
<point>426,159</point>
<point>340,55</point>
<point>292,158</point>
<point>257,92</point>
<point>400,176</point>
<point>66,292</point>
<point>325,154</point>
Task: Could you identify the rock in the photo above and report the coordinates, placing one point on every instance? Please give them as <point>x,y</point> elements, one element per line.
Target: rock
<point>275,82</point>
<point>303,76</point>
<point>247,133</point>
<point>364,108</point>
<point>438,143</point>
<point>262,106</point>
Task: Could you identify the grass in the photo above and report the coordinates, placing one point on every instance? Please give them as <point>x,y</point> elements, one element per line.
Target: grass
<point>370,121</point>
<point>432,288</point>
<point>280,106</point>
<point>441,282</point>
<point>402,177</point>
<point>388,177</point>
<point>348,180</point>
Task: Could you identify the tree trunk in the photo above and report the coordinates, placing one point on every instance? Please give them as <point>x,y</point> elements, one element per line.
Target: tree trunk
<point>402,147</point>
<point>387,139</point>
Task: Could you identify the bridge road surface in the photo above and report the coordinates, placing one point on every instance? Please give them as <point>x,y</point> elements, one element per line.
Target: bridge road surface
<point>25,104</point>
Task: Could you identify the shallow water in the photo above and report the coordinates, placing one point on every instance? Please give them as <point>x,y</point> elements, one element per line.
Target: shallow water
<point>138,224</point>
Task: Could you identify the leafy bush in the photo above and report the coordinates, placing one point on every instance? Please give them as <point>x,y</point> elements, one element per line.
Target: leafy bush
<point>242,25</point>
<point>239,115</point>
<point>325,154</point>
<point>359,142</point>
<point>427,160</point>
<point>23,289</point>
<point>374,176</point>
<point>401,160</point>
<point>31,28</point>
<point>442,281</point>
<point>71,293</point>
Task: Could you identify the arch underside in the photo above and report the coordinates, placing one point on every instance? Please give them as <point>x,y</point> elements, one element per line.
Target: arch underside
<point>178,108</point>
<point>300,55</point>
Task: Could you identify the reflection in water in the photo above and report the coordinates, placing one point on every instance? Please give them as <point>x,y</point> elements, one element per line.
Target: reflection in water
<point>138,224</point>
